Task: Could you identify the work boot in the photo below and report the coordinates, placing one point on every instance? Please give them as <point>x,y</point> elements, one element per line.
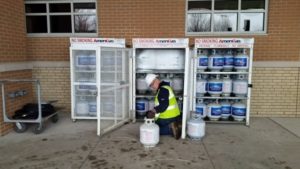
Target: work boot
<point>175,130</point>
<point>179,124</point>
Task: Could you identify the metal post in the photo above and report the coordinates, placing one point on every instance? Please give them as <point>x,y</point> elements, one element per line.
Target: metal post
<point>39,100</point>
<point>3,101</point>
<point>249,88</point>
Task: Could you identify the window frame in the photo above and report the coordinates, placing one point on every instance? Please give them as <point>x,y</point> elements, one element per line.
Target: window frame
<point>239,11</point>
<point>71,13</point>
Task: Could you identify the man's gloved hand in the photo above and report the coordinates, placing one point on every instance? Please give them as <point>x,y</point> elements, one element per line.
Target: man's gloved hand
<point>151,114</point>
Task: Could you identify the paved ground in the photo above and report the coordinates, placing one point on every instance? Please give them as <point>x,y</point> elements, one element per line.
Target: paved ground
<point>266,144</point>
<point>291,124</point>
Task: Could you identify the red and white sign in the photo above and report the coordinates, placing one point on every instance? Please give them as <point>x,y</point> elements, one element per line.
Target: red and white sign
<point>160,43</point>
<point>224,43</point>
<point>109,42</point>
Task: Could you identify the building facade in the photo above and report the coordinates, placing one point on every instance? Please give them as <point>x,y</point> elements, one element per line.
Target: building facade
<point>27,54</point>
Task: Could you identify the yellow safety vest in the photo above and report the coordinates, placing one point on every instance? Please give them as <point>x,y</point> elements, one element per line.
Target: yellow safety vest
<point>172,110</point>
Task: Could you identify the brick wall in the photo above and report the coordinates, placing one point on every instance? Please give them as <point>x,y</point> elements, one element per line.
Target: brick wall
<point>55,85</point>
<point>50,49</point>
<point>13,49</point>
<point>136,19</point>
<point>14,104</point>
<point>166,18</point>
<point>12,31</point>
<point>283,40</point>
<point>275,92</point>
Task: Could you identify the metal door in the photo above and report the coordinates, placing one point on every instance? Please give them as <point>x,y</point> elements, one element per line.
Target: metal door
<point>114,88</point>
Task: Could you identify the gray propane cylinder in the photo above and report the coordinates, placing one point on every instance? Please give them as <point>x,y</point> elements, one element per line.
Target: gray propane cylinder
<point>215,86</point>
<point>177,83</point>
<point>151,104</point>
<point>196,128</point>
<point>149,133</point>
<point>141,85</point>
<point>239,111</point>
<point>215,61</point>
<point>241,61</point>
<point>201,86</point>
<point>167,79</point>
<point>227,86</point>
<point>240,86</point>
<point>202,63</point>
<point>82,107</point>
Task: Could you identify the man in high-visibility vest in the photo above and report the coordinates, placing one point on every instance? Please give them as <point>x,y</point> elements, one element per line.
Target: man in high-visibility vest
<point>166,110</point>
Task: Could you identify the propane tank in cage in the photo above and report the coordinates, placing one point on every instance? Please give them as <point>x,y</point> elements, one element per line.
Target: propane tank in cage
<point>228,61</point>
<point>196,128</point>
<point>141,85</point>
<point>177,84</point>
<point>215,61</point>
<point>214,111</point>
<point>107,62</point>
<point>149,133</point>
<point>169,59</point>
<point>241,61</point>
<point>93,61</point>
<point>201,85</point>
<point>83,88</point>
<point>215,86</point>
<point>93,108</point>
<point>240,86</point>
<point>145,59</point>
<point>151,104</point>
<point>226,110</point>
<point>239,111</point>
<point>82,61</point>
<point>202,60</point>
<point>142,106</point>
<point>227,86</point>
<point>93,90</point>
<point>201,109</point>
<point>167,79</point>
<point>82,107</point>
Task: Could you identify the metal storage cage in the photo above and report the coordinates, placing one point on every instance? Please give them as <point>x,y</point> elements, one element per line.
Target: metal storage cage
<point>100,78</point>
<point>168,58</point>
<point>204,51</point>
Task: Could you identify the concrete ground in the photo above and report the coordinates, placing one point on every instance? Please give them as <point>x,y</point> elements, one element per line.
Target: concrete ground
<point>266,144</point>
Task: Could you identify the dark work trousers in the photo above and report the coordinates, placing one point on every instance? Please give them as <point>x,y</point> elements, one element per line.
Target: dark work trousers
<point>163,124</point>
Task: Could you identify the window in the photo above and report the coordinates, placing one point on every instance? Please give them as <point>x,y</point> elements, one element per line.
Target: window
<point>66,17</point>
<point>226,17</point>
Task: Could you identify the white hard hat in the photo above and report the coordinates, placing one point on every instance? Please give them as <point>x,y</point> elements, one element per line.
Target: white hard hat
<point>149,78</point>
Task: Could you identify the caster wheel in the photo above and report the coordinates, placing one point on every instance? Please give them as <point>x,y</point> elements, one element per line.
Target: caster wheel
<point>54,118</point>
<point>20,127</point>
<point>38,129</point>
